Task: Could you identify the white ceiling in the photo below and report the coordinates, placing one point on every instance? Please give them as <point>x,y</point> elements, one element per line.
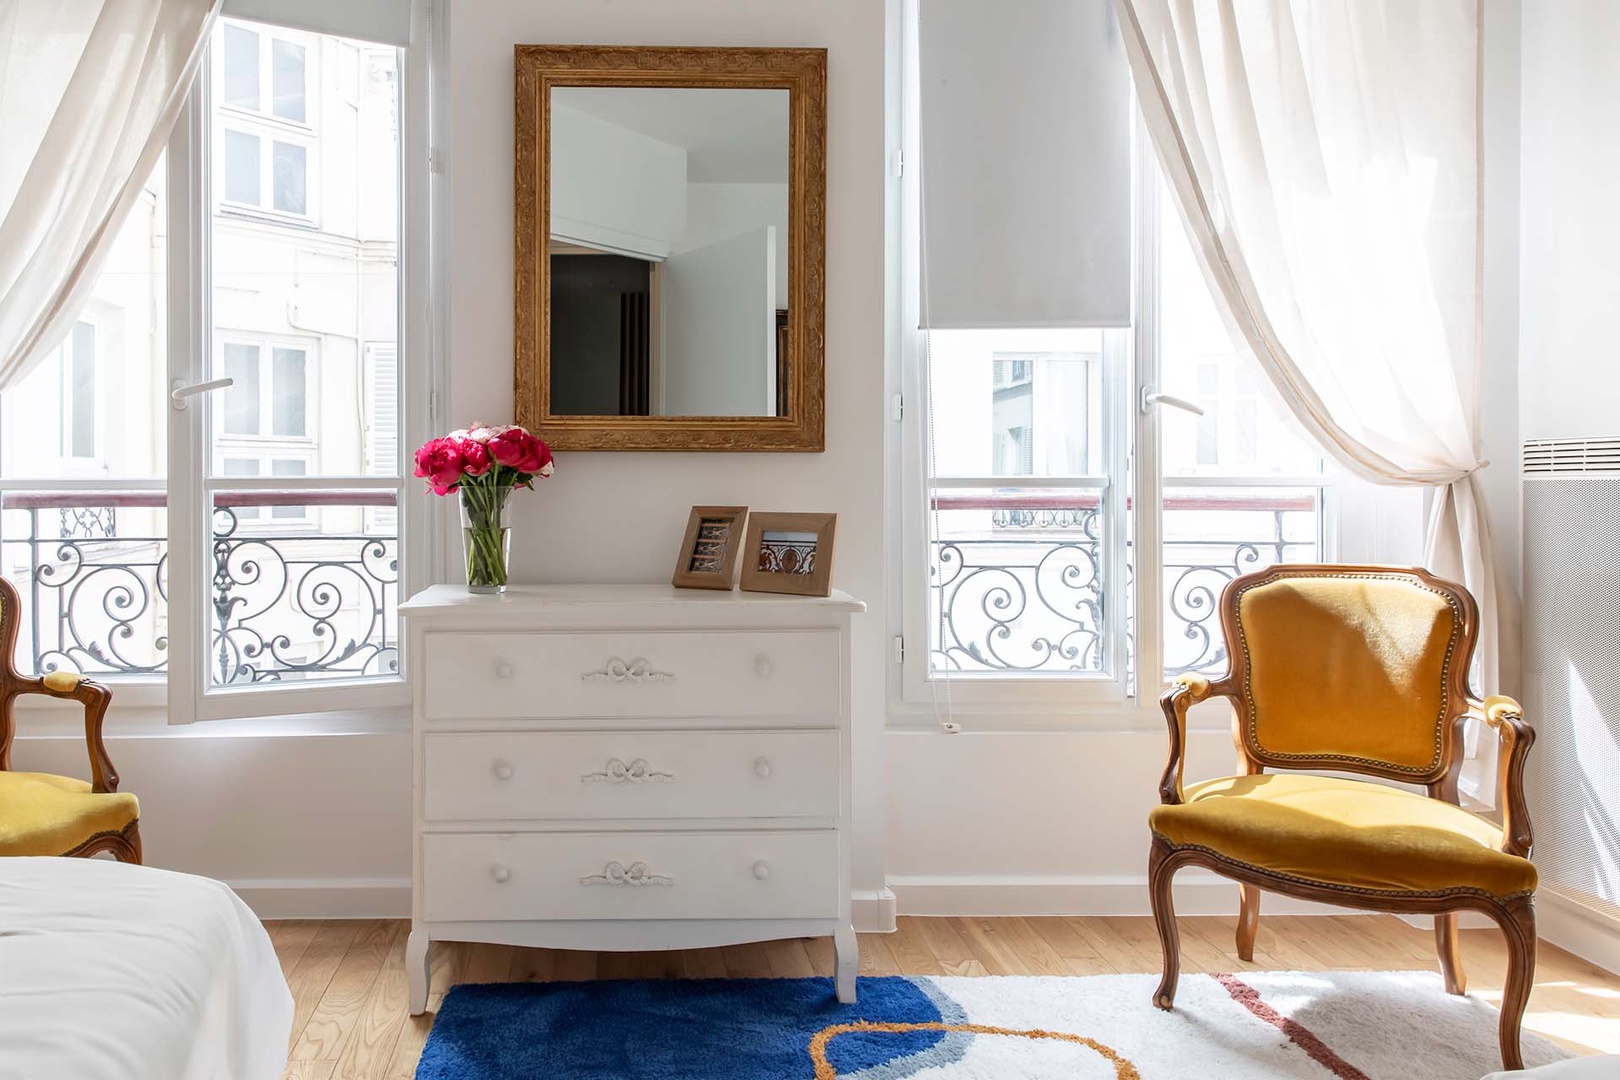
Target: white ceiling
<point>730,136</point>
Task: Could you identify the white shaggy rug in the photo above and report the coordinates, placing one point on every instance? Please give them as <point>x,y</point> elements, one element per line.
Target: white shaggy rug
<point>1314,1026</point>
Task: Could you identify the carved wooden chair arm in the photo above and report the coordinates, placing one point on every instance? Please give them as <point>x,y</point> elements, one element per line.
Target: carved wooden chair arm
<point>95,697</point>
<point>1503,715</point>
<point>1185,692</point>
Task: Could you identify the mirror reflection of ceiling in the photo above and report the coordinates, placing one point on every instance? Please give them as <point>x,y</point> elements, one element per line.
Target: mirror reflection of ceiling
<point>731,136</point>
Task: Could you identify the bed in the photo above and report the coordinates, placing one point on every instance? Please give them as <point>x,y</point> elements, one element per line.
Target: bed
<point>122,972</point>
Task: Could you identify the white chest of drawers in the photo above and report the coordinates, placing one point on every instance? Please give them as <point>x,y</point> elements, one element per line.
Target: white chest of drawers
<point>629,767</point>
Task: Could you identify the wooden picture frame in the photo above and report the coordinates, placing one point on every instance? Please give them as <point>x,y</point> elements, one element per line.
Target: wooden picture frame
<point>803,74</point>
<point>708,555</point>
<point>789,553</point>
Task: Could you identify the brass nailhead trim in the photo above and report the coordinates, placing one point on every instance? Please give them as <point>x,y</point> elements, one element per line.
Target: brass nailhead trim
<point>1359,890</point>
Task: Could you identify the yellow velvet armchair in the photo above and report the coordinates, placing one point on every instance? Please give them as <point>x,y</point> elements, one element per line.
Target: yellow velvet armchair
<point>1364,670</point>
<point>42,814</point>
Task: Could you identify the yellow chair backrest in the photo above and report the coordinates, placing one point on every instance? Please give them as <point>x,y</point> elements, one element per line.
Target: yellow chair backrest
<point>1356,668</point>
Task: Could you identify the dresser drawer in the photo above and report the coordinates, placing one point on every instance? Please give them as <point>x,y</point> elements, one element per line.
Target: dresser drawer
<point>472,877</point>
<point>655,674</point>
<point>630,774</point>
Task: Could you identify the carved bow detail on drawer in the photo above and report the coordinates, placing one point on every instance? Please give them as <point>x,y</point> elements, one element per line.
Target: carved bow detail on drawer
<point>617,772</point>
<point>639,670</point>
<point>616,874</point>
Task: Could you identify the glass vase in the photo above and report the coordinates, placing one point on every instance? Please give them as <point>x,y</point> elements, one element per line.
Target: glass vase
<point>486,535</point>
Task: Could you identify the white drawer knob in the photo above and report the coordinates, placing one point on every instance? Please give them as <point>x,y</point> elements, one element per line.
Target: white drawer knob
<point>761,870</point>
<point>762,768</point>
<point>503,770</point>
<point>501,874</point>
<point>503,670</point>
<point>762,664</point>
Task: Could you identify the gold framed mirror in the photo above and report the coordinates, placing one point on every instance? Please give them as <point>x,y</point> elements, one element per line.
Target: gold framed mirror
<point>670,235</point>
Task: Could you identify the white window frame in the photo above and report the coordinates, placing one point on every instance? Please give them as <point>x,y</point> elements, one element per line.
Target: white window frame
<point>192,353</point>
<point>1063,700</point>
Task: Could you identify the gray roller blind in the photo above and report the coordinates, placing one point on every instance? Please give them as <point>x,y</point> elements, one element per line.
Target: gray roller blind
<point>1026,175</point>
<point>384,21</point>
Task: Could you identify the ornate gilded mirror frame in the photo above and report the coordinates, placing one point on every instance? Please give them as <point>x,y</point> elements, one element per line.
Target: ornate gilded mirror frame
<point>803,73</point>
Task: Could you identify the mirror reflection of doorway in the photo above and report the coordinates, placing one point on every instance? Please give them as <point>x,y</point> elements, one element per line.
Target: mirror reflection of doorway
<point>603,309</point>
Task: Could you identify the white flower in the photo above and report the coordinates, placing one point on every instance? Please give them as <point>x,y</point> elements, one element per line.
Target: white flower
<point>547,469</point>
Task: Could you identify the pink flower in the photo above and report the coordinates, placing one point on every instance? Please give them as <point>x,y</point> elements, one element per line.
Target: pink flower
<point>517,449</point>
<point>441,463</point>
<point>475,457</point>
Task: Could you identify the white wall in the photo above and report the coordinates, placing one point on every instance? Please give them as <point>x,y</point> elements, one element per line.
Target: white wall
<point>1570,228</point>
<point>719,211</point>
<point>612,186</point>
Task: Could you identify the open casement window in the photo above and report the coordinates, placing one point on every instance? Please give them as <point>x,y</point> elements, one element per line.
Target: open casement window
<point>1067,533</point>
<point>237,553</point>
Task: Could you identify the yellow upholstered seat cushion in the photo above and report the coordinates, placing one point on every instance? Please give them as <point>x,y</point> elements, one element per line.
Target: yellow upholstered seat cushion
<point>41,814</point>
<point>1344,832</point>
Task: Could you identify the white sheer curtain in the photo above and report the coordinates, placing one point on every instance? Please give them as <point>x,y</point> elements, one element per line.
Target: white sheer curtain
<point>1325,156</point>
<point>88,92</point>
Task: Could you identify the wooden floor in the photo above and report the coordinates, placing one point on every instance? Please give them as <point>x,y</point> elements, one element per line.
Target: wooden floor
<point>348,977</point>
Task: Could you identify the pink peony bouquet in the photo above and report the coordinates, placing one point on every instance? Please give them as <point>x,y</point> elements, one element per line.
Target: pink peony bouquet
<point>484,465</point>
<point>485,456</point>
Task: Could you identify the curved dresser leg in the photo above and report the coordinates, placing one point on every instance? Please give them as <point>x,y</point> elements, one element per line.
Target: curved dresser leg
<point>848,952</point>
<point>416,969</point>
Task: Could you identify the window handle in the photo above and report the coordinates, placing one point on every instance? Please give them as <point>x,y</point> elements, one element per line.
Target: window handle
<point>180,390</point>
<point>1151,398</point>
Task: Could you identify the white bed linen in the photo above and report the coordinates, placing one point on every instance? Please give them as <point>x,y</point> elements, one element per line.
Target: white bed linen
<point>129,972</point>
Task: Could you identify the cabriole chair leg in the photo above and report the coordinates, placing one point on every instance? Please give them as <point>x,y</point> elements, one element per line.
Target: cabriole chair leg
<point>1160,872</point>
<point>1449,946</point>
<point>1517,918</point>
<point>1248,921</point>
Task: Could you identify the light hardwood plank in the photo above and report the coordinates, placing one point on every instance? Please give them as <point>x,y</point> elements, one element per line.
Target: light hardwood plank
<point>875,956</point>
<point>290,938</point>
<point>704,964</point>
<point>942,939</point>
<point>371,1043</point>
<point>532,965</point>
<point>330,1025</point>
<point>748,961</point>
<point>788,960</point>
<point>314,970</point>
<point>910,949</point>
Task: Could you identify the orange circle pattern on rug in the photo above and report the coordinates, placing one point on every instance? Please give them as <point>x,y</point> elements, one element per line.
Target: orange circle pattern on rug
<point>1123,1069</point>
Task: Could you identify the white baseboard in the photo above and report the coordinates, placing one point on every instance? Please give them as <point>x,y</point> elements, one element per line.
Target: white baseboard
<point>1576,928</point>
<point>326,898</point>
<point>1063,894</point>
<point>873,912</point>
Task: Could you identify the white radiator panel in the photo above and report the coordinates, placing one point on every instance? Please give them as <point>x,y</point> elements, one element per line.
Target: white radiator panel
<point>1572,673</point>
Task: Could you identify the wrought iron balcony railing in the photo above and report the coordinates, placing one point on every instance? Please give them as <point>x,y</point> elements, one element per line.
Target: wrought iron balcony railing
<point>1021,588</point>
<point>289,600</point>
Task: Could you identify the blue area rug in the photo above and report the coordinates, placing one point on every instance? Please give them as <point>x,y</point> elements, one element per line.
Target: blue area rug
<point>709,1029</point>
